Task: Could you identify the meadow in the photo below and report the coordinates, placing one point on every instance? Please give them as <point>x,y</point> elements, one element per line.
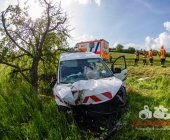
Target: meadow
<point>130,59</point>
<point>24,117</point>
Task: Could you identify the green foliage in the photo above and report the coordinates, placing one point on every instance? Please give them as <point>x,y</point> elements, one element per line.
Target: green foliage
<point>4,51</point>
<point>168,54</point>
<point>112,49</point>
<point>32,45</point>
<point>119,48</point>
<point>131,50</point>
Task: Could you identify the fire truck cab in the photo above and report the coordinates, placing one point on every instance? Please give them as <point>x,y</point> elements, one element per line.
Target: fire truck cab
<point>99,47</point>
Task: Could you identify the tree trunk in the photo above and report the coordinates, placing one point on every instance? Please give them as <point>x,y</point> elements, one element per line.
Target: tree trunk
<point>34,75</point>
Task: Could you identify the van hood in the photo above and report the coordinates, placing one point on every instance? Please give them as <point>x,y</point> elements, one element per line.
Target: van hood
<point>87,91</point>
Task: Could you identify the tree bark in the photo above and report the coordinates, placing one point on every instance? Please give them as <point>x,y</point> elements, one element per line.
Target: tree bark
<point>34,75</point>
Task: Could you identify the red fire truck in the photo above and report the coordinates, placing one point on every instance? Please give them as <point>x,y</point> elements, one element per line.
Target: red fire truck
<point>99,47</point>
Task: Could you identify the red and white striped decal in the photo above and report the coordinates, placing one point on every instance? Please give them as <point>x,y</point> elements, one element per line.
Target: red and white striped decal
<point>97,98</point>
<point>107,94</point>
<point>55,96</point>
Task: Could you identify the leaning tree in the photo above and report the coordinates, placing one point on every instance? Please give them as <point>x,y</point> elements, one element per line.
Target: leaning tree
<point>34,40</point>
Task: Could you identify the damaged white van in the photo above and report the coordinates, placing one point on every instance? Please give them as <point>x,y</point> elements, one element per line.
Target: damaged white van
<point>94,93</point>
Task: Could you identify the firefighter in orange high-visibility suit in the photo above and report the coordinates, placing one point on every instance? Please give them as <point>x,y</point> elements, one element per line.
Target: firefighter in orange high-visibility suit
<point>136,57</point>
<point>144,56</point>
<point>150,55</point>
<point>162,53</point>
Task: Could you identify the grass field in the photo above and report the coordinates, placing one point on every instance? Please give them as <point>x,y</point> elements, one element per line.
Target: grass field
<point>153,91</point>
<point>23,117</point>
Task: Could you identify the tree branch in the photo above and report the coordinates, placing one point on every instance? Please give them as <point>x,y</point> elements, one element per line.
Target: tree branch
<point>3,22</point>
<point>15,71</point>
<point>47,28</point>
<point>15,57</point>
<point>58,23</point>
<point>19,70</point>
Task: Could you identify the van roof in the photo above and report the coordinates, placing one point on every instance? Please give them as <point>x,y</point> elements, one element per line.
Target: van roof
<point>77,55</point>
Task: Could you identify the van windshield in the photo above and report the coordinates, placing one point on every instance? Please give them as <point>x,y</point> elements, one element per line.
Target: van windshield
<point>83,69</point>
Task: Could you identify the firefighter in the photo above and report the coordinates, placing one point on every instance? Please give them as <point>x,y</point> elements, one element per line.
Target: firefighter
<point>136,57</point>
<point>144,56</point>
<point>162,53</point>
<point>150,55</point>
<point>110,57</point>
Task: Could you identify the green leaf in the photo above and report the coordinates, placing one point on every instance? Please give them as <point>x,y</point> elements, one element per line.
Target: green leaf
<point>4,51</point>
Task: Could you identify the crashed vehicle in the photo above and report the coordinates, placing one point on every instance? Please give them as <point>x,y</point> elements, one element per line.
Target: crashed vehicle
<point>91,92</point>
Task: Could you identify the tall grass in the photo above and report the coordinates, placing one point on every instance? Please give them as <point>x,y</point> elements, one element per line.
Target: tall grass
<point>23,116</point>
<point>153,92</point>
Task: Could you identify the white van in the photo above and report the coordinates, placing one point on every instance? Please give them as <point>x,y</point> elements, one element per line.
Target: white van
<point>92,91</point>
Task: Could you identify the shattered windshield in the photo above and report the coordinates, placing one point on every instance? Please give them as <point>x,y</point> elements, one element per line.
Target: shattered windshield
<point>83,69</point>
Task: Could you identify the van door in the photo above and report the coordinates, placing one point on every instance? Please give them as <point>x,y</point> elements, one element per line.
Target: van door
<point>119,69</point>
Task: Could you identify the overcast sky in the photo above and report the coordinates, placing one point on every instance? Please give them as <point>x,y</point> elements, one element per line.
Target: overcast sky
<point>142,24</point>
